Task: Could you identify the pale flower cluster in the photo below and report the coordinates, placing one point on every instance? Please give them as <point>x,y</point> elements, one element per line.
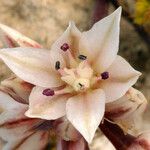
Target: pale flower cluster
<point>81,81</point>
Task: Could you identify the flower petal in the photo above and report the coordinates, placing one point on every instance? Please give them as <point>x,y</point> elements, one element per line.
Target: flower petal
<point>13,38</point>
<point>46,107</point>
<point>32,65</point>
<point>71,36</point>
<point>13,122</point>
<point>101,42</point>
<point>85,112</point>
<point>16,130</point>
<point>121,77</point>
<point>39,138</point>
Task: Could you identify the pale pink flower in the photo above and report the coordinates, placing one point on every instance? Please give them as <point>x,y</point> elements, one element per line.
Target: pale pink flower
<point>127,111</point>
<point>80,73</point>
<point>16,130</point>
<point>20,90</point>
<point>19,131</point>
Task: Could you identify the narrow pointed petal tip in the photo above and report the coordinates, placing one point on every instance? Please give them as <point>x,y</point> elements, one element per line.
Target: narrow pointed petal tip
<point>86,111</point>
<point>101,42</point>
<point>71,37</point>
<point>118,11</point>
<point>71,23</point>
<point>12,38</point>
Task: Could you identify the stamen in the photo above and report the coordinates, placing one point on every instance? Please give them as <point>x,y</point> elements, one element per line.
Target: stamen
<point>64,47</point>
<point>105,75</point>
<point>66,90</point>
<point>72,60</point>
<point>48,92</point>
<point>57,65</point>
<point>82,57</point>
<point>80,84</point>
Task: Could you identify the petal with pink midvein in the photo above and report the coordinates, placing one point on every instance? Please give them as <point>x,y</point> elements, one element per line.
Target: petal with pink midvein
<point>121,77</point>
<point>31,65</point>
<point>85,112</point>
<point>46,107</point>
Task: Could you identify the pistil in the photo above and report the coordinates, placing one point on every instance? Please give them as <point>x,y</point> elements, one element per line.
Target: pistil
<point>73,62</point>
<point>65,90</point>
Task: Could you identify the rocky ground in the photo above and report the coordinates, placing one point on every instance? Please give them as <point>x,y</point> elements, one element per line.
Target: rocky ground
<point>45,20</point>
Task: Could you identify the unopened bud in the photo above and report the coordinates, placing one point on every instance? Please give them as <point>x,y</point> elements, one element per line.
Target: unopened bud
<point>127,111</point>
<point>17,86</point>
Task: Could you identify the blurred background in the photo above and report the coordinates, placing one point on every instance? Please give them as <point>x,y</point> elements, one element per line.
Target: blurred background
<point>45,20</point>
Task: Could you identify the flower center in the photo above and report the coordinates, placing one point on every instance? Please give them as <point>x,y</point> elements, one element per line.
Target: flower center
<point>81,84</point>
<point>78,78</point>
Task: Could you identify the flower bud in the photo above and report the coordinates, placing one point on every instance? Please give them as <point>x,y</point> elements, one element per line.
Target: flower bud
<point>17,87</point>
<point>127,111</point>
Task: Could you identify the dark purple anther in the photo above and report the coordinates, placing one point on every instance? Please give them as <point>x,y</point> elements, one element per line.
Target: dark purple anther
<point>57,65</point>
<point>48,92</point>
<point>82,57</point>
<point>64,47</point>
<point>105,75</point>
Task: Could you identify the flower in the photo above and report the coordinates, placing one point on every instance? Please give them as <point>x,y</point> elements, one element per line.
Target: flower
<point>16,130</point>
<point>80,73</point>
<point>19,92</point>
<point>127,111</point>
